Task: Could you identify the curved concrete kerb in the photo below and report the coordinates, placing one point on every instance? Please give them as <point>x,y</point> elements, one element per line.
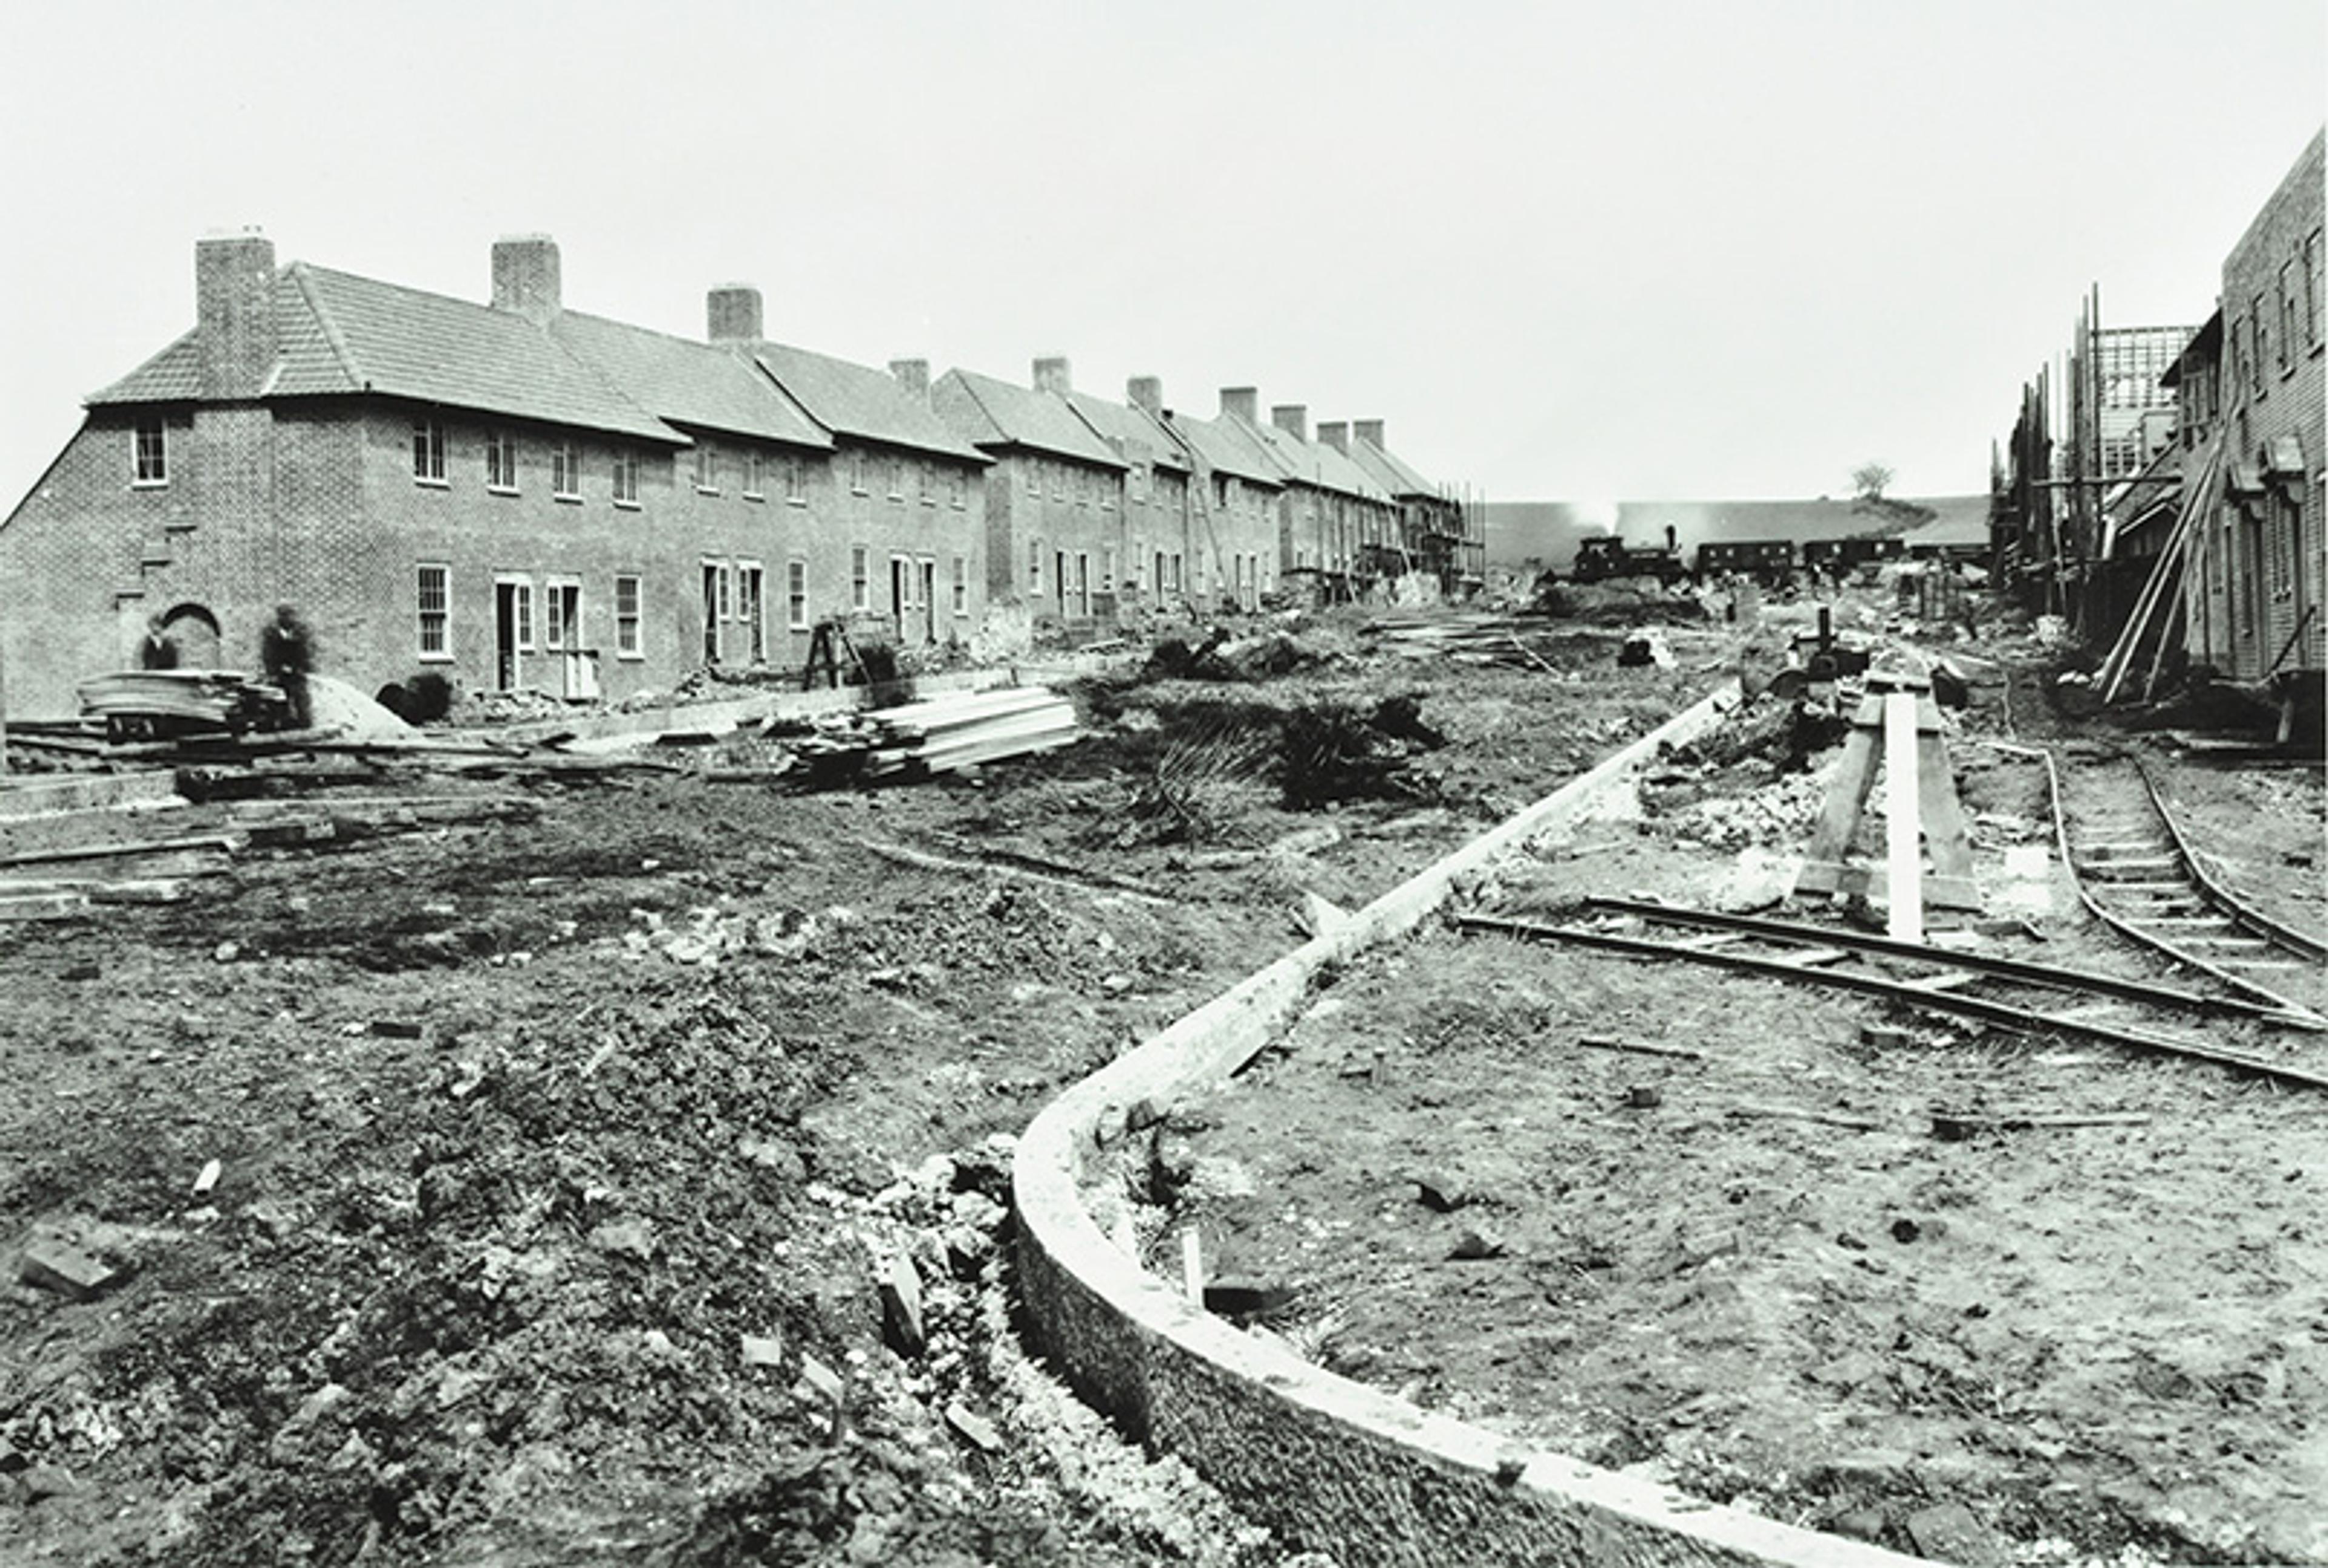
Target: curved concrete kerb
<point>1334,1464</point>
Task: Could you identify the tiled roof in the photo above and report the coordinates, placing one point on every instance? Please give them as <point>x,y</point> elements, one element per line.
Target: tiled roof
<point>690,383</point>
<point>1224,449</point>
<point>992,413</point>
<point>340,334</point>
<point>1386,469</point>
<point>1313,463</point>
<point>1126,429</point>
<point>172,376</point>
<point>853,399</point>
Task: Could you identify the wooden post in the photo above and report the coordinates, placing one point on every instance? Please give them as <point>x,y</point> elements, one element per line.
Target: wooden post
<point>1903,822</point>
<point>1192,1266</point>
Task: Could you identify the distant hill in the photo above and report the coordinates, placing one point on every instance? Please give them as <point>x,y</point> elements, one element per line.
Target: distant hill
<point>1548,531</point>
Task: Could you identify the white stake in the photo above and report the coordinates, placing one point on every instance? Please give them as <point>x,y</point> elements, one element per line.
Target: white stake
<point>1192,1266</point>
<point>1903,825</point>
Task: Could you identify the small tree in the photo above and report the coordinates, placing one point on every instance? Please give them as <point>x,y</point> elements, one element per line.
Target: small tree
<point>1870,479</point>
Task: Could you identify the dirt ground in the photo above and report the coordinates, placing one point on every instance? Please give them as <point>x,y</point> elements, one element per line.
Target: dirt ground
<point>561,1161</point>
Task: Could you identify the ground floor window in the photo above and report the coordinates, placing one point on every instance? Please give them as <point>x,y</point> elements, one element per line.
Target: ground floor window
<point>435,600</point>
<point>962,584</point>
<point>627,644</point>
<point>860,577</point>
<point>796,594</point>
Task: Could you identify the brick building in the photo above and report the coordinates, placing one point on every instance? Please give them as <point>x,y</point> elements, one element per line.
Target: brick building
<point>1336,528</point>
<point>1234,488</point>
<point>1437,535</point>
<point>1155,489</point>
<point>511,494</point>
<point>2256,609</point>
<point>1057,541</point>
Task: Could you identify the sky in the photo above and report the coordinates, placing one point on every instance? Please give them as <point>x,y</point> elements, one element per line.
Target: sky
<point>1623,248</point>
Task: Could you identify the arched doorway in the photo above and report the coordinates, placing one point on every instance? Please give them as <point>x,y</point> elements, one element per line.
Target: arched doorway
<point>195,631</point>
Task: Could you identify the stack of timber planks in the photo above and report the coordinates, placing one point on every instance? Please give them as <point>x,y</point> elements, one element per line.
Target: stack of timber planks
<point>942,734</point>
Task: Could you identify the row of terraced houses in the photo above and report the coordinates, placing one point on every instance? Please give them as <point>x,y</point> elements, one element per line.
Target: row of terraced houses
<point>521,496</point>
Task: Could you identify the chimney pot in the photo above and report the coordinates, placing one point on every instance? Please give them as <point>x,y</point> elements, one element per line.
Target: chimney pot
<point>1245,402</point>
<point>1052,375</point>
<point>1293,418</point>
<point>234,312</point>
<point>526,277</point>
<point>731,314</point>
<point>914,375</point>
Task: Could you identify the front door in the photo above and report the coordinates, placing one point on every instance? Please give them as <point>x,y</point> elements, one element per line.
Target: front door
<point>512,631</point>
<point>901,594</point>
<point>710,612</point>
<point>929,601</point>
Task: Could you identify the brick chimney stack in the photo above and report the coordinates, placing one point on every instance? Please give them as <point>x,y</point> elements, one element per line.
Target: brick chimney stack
<point>914,375</point>
<point>731,314</point>
<point>1335,434</point>
<point>1370,431</point>
<point>1293,418</point>
<point>234,313</point>
<point>1052,375</point>
<point>1245,402</point>
<point>1146,393</point>
<point>526,277</point>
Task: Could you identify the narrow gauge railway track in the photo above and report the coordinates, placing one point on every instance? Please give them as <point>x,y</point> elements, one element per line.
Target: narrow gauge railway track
<point>2010,993</point>
<point>2136,871</point>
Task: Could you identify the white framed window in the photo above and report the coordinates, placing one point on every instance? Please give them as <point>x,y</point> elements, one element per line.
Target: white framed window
<point>755,467</point>
<point>427,452</point>
<point>627,479</point>
<point>928,476</point>
<point>627,644</point>
<point>707,469</point>
<point>501,462</point>
<point>1035,568</point>
<point>724,596</point>
<point>1107,570</point>
<point>897,479</point>
<point>1034,477</point>
<point>561,614</point>
<point>521,597</point>
<point>796,481</point>
<point>857,472</point>
<point>149,454</point>
<point>860,577</point>
<point>433,600</point>
<point>566,471</point>
<point>796,594</point>
<point>958,489</point>
<point>962,584</point>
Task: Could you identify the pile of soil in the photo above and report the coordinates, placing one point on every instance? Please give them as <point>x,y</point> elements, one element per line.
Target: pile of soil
<point>621,1182</point>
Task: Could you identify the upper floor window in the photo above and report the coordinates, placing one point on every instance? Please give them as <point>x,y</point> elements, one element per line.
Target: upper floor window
<point>958,489</point>
<point>707,469</point>
<point>566,471</point>
<point>754,465</point>
<point>2287,303</point>
<point>795,478</point>
<point>428,451</point>
<point>2314,286</point>
<point>857,472</point>
<point>2261,331</point>
<point>149,460</point>
<point>627,479</point>
<point>500,460</point>
<point>897,480</point>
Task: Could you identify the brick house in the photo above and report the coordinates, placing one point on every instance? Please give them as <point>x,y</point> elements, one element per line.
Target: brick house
<point>1155,489</point>
<point>1057,541</point>
<point>486,491</point>
<point>1336,526</point>
<point>1233,505</point>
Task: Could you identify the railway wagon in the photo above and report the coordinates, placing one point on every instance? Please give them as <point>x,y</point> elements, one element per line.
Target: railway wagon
<point>1769,561</point>
<point>1838,556</point>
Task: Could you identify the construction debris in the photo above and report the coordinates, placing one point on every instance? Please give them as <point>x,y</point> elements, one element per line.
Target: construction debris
<point>939,735</point>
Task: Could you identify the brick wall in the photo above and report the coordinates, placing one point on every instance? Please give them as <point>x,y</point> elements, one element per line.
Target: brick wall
<point>2272,318</point>
<point>315,504</point>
